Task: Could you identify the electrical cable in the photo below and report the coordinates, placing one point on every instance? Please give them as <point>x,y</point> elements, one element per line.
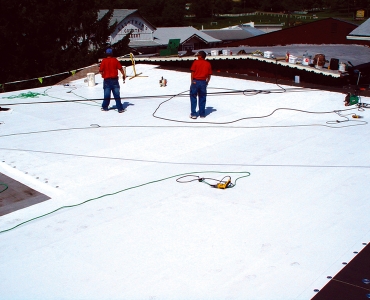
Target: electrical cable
<point>82,100</point>
<point>182,94</point>
<point>79,102</point>
<point>204,179</point>
<point>346,119</point>
<point>358,123</point>
<point>115,193</point>
<point>203,126</point>
<point>182,176</point>
<point>185,163</point>
<point>248,93</point>
<point>225,92</point>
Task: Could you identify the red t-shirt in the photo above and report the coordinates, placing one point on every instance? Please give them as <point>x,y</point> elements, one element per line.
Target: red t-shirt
<point>201,69</point>
<point>109,67</point>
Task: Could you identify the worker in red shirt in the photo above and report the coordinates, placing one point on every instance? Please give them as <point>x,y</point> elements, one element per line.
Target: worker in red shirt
<point>108,69</point>
<point>201,72</point>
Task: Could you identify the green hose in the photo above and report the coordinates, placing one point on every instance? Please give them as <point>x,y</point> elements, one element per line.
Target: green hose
<point>120,191</point>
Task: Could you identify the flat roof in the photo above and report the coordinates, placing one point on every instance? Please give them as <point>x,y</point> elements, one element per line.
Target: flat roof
<point>132,213</point>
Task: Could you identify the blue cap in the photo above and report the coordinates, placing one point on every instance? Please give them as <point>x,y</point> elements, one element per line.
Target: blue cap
<point>109,51</point>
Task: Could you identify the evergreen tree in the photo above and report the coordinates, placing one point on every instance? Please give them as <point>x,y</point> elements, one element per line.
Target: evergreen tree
<point>121,47</point>
<point>44,37</point>
<point>161,13</point>
<point>201,8</point>
<point>222,6</point>
<point>173,13</point>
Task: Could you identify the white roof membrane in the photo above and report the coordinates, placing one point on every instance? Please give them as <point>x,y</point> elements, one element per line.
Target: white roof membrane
<point>118,224</point>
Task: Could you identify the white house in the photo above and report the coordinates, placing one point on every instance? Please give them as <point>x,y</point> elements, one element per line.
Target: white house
<point>130,20</point>
<point>146,38</point>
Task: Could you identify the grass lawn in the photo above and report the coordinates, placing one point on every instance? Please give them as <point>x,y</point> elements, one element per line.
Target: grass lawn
<point>267,18</point>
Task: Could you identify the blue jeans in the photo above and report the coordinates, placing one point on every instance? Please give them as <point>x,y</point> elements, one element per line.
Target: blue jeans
<point>198,88</point>
<point>111,85</point>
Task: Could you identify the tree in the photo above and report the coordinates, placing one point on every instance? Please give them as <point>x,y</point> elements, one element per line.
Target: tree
<point>121,47</point>
<point>221,6</point>
<point>201,8</point>
<point>44,37</point>
<point>173,13</point>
